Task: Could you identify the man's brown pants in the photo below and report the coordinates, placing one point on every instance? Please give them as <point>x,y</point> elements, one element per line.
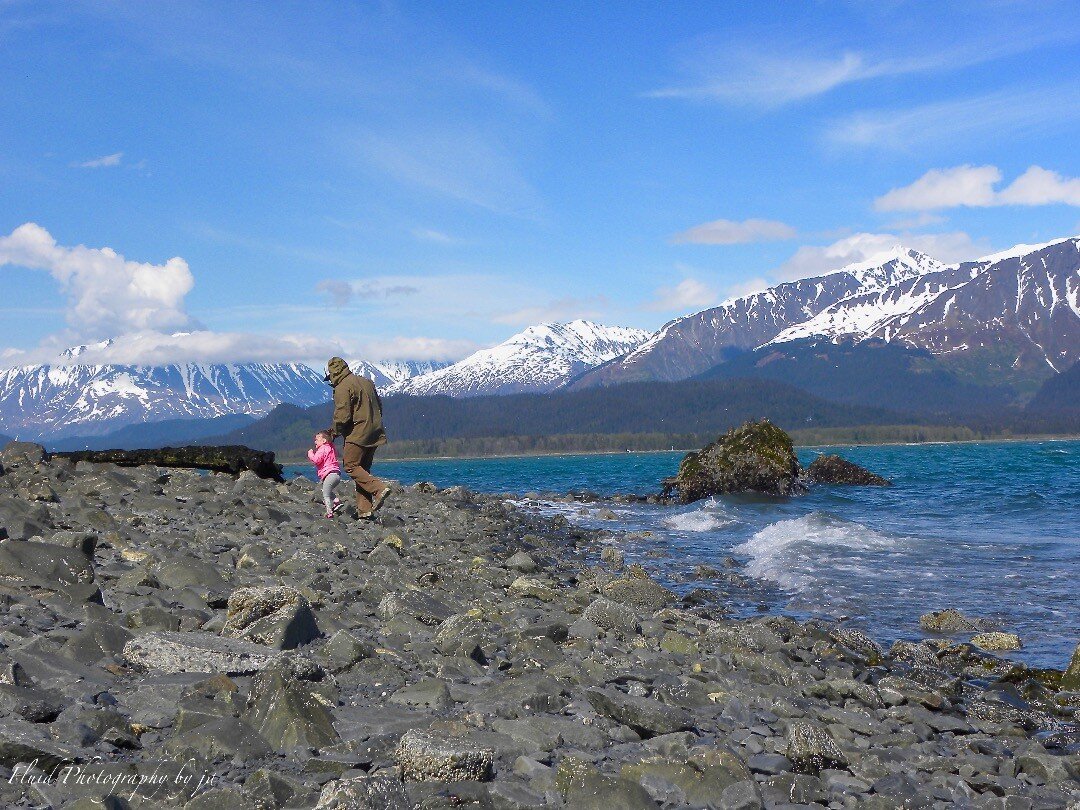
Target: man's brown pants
<point>358,465</point>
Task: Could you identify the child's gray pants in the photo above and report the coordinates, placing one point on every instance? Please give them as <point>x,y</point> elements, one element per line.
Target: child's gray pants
<point>329,483</point>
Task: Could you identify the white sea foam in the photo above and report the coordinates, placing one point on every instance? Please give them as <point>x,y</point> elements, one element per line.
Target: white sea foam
<point>798,553</point>
<point>707,517</point>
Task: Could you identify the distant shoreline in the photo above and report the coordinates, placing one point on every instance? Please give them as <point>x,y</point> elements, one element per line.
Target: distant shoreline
<point>573,453</point>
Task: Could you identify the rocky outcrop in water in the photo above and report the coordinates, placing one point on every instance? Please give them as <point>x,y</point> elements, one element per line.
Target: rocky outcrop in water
<point>228,458</point>
<point>459,652</point>
<point>833,469</point>
<point>756,457</point>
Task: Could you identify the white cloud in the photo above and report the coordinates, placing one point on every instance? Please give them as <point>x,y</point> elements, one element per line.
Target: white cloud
<point>1003,113</point>
<point>729,232</point>
<point>1039,186</point>
<point>767,80</point>
<point>418,348</point>
<point>733,71</point>
<point>106,293</point>
<point>133,313</point>
<point>974,186</point>
<point>688,295</point>
<point>461,162</point>
<point>104,162</point>
<point>432,235</point>
<point>555,311</point>
<point>813,260</point>
<point>341,293</point>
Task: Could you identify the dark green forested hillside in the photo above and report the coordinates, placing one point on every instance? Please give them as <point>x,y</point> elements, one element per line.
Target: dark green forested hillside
<point>1058,395</point>
<point>872,373</point>
<point>653,414</point>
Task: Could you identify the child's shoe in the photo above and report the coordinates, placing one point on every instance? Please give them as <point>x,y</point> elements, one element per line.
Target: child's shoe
<point>338,505</point>
<point>329,515</point>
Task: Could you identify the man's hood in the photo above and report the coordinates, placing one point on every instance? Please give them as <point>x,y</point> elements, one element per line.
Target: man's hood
<point>337,370</point>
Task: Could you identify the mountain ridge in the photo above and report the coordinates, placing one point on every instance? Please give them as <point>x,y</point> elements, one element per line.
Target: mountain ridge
<point>539,358</point>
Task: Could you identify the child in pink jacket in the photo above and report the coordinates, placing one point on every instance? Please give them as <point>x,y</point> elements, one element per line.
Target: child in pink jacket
<point>324,457</point>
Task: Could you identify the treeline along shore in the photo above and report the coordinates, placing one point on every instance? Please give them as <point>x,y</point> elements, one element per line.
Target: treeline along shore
<point>651,416</point>
<point>177,639</point>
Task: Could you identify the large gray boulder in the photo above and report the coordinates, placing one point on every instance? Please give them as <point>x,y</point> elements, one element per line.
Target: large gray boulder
<point>277,616</point>
<point>44,565</point>
<point>646,716</point>
<point>195,652</point>
<point>20,520</point>
<point>756,457</point>
<point>287,714</point>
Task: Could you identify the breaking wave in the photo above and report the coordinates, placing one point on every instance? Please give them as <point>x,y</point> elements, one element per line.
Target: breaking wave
<point>707,517</point>
<point>799,553</point>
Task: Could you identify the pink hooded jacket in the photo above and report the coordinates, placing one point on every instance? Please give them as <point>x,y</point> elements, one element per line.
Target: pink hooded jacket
<point>325,460</point>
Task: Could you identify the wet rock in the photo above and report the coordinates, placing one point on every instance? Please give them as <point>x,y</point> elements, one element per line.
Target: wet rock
<point>1070,681</point>
<point>859,643</point>
<point>195,652</point>
<point>836,470</point>
<point>643,594</point>
<point>812,749</point>
<point>364,793</point>
<point>997,641</point>
<point>278,616</point>
<point>646,716</point>
<point>756,457</point>
<point>429,755</point>
<point>951,621</point>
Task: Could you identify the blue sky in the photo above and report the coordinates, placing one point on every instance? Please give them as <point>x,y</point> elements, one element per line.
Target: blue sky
<point>278,181</point>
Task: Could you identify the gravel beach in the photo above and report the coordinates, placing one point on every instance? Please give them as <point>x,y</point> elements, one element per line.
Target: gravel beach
<point>209,641</point>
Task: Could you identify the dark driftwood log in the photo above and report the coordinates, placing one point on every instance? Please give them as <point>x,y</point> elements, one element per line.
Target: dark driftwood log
<point>231,459</point>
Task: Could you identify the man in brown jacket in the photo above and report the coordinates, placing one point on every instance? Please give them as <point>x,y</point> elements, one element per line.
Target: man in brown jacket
<point>358,419</point>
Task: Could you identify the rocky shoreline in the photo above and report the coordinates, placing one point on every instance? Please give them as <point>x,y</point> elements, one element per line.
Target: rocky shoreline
<point>174,639</point>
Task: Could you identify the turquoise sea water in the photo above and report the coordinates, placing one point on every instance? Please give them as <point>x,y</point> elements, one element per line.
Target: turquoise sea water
<point>990,529</point>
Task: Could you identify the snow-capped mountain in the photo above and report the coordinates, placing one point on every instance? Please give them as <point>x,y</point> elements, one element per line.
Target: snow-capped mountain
<point>693,344</point>
<point>63,400</point>
<point>541,358</point>
<point>386,373</point>
<point>1025,300</point>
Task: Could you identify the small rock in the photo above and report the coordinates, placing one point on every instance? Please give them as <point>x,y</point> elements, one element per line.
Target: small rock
<point>950,621</point>
<point>612,616</point>
<point>997,641</point>
<point>364,793</point>
<point>812,749</point>
<point>522,563</point>
<point>428,755</point>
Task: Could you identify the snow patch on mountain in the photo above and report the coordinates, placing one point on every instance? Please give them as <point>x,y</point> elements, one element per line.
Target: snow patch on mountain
<point>1026,298</point>
<point>541,358</point>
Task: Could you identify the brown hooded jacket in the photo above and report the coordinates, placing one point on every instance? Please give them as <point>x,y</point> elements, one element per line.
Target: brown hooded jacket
<point>357,407</point>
